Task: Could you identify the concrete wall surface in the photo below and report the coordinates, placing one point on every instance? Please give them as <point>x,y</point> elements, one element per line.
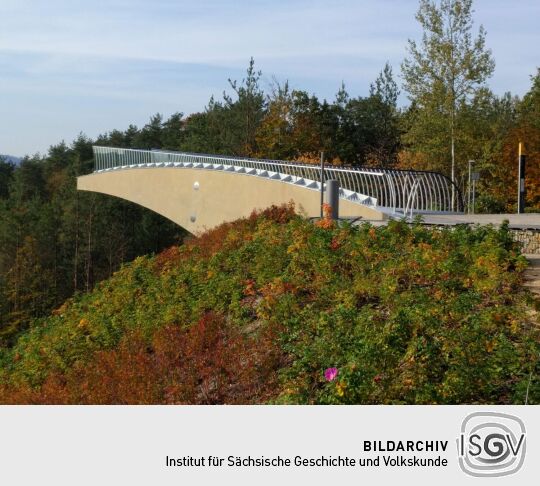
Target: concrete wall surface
<point>199,199</point>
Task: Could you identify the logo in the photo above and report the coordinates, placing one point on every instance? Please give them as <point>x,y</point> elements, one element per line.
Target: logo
<point>491,444</point>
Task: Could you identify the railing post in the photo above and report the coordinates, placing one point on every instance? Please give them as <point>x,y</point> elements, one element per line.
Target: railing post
<point>322,182</point>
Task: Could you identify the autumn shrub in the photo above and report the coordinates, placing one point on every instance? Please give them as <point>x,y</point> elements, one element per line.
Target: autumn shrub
<point>423,317</point>
<point>208,363</point>
<point>275,309</point>
<point>231,234</point>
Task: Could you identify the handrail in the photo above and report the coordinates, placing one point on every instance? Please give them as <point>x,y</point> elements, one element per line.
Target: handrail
<point>395,190</point>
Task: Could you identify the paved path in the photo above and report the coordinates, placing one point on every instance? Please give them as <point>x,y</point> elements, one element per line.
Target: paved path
<point>518,221</point>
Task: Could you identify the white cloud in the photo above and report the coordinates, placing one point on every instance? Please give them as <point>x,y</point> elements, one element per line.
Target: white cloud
<point>213,33</point>
<point>165,53</point>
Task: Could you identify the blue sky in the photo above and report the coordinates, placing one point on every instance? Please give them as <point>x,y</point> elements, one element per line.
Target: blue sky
<point>68,66</point>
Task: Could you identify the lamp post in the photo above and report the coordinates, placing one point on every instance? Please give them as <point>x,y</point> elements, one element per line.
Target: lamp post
<point>475,177</point>
<point>521,179</point>
<point>471,163</point>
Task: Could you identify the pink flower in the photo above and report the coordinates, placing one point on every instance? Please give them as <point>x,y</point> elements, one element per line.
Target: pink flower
<point>330,374</point>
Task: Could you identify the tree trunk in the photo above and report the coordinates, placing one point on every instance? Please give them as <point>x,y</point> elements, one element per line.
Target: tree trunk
<point>453,169</point>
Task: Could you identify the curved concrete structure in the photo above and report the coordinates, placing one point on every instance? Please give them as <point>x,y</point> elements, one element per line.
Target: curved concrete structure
<point>392,191</point>
<point>199,199</point>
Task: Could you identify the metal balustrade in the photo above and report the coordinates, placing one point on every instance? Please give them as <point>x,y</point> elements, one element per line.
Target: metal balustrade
<point>393,191</point>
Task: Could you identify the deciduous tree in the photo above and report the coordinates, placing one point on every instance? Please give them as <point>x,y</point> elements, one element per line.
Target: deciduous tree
<point>441,73</point>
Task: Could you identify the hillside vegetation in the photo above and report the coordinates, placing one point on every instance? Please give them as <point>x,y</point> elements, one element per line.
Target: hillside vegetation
<point>56,241</point>
<point>276,309</point>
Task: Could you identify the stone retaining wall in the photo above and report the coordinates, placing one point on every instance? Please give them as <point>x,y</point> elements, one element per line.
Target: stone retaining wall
<point>529,239</point>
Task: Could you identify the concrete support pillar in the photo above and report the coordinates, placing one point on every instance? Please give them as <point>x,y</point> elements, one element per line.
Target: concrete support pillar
<point>332,197</point>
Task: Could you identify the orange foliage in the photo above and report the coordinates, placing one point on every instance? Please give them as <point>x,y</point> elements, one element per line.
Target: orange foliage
<point>416,160</point>
<point>507,172</point>
<point>167,259</point>
<point>278,214</point>
<point>314,158</point>
<point>210,363</point>
<point>216,239</point>
<point>326,222</point>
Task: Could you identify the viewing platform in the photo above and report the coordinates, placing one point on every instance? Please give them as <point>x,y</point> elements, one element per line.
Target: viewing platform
<point>199,191</point>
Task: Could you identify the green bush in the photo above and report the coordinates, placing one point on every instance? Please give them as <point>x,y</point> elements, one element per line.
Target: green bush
<point>405,314</point>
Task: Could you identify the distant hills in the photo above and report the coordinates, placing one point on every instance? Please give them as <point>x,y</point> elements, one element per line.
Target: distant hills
<point>11,158</point>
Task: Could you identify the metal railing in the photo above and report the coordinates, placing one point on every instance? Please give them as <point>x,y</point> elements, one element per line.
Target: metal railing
<point>395,191</point>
